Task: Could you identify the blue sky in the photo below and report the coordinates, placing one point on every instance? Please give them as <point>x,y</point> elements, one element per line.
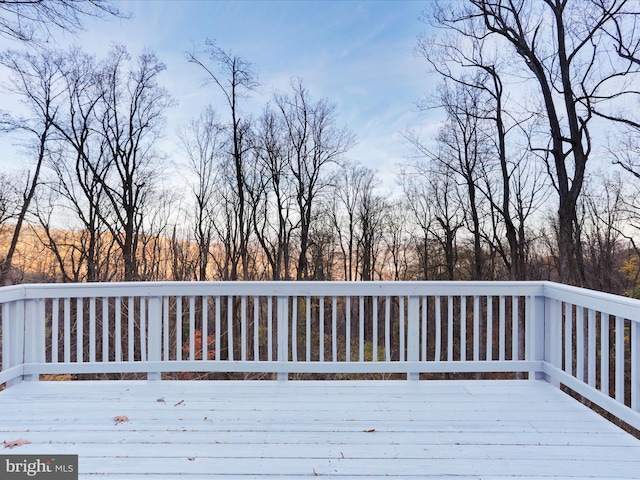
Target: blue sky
<point>358,54</point>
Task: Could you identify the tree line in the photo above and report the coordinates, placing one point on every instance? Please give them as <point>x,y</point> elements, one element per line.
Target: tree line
<point>532,173</point>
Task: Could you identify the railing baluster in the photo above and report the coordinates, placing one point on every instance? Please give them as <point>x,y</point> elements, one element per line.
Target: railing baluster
<point>437,356</point>
<point>270,328</point>
<point>118,313</point>
<point>347,323</point>
<point>635,366</point>
<point>294,329</point>
<point>580,343</point>
<point>423,350</point>
<point>179,327</point>
<point>334,328</point>
<point>401,320</point>
<point>67,330</point>
<point>591,351</point>
<point>502,329</point>
<point>515,328</point>
<point>604,357</point>
<point>308,325</point>
<point>463,328</point>
<point>489,345</point>
<point>256,328</point>
<point>243,328</point>
<point>361,328</point>
<point>105,329</point>
<point>218,322</point>
<point>55,330</point>
<point>79,331</point>
<point>476,328</point>
<point>205,327</point>
<point>130,331</point>
<point>620,359</point>
<point>143,329</point>
<point>387,328</point>
<point>192,328</point>
<point>165,328</point>
<point>321,326</point>
<point>92,329</point>
<point>568,338</point>
<point>449,328</point>
<point>230,314</point>
<point>374,354</point>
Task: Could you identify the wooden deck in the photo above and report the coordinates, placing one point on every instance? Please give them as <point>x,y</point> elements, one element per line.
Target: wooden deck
<point>344,429</point>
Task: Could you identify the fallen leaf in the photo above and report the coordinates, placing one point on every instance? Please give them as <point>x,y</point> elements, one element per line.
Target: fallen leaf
<point>16,443</point>
<point>160,400</point>
<point>192,459</point>
<point>120,419</point>
<point>179,403</point>
<point>369,431</point>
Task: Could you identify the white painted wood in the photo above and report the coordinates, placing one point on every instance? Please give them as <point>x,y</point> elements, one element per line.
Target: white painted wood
<point>436,429</point>
<point>619,352</point>
<point>635,366</point>
<point>568,338</point>
<point>150,325</point>
<point>591,348</point>
<point>604,357</point>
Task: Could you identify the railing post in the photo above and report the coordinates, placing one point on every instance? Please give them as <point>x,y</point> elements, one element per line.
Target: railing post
<point>34,335</point>
<point>413,334</point>
<point>154,336</point>
<point>283,334</point>
<point>13,336</point>
<point>536,341</point>
<point>553,336</point>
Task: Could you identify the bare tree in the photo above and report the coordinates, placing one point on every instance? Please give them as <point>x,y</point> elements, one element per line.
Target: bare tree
<point>36,20</point>
<point>315,143</point>
<point>575,75</point>
<point>372,209</point>
<point>234,78</point>
<point>274,194</point>
<point>203,143</point>
<point>131,115</point>
<point>35,79</point>
<point>347,191</point>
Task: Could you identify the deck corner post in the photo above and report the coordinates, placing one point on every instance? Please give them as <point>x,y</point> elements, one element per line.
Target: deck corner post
<point>537,334</point>
<point>13,330</point>
<point>552,336</point>
<point>154,335</point>
<point>34,335</point>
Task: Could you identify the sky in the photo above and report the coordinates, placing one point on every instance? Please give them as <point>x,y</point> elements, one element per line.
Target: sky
<point>357,54</point>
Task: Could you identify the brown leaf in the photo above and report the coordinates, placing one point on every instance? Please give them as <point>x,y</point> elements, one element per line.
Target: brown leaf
<point>369,431</point>
<point>192,459</point>
<point>120,419</point>
<point>16,443</point>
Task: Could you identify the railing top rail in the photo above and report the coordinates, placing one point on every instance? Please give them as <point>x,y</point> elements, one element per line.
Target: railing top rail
<point>611,304</point>
<point>284,288</point>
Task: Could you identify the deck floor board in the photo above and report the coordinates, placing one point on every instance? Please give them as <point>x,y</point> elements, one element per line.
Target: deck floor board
<point>346,430</point>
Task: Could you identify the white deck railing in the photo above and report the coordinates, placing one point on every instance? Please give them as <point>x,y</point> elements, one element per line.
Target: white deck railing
<point>585,340</point>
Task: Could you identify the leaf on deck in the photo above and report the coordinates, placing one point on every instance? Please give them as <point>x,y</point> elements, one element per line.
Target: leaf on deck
<point>369,431</point>
<point>120,419</point>
<point>15,443</point>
